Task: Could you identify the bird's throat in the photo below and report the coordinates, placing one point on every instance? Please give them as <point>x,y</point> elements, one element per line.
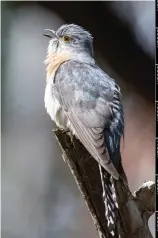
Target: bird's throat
<point>53,62</point>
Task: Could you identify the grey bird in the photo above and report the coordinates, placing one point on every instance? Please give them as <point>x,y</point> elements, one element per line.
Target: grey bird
<point>81,98</point>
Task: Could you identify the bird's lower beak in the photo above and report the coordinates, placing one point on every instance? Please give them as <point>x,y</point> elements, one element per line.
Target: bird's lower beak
<point>51,34</point>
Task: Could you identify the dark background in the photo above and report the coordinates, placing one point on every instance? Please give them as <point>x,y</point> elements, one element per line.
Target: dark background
<point>39,196</point>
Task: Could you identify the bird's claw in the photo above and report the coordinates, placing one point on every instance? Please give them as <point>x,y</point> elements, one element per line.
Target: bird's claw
<point>71,138</point>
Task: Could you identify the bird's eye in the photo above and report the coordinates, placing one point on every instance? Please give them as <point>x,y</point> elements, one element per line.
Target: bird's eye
<point>66,39</point>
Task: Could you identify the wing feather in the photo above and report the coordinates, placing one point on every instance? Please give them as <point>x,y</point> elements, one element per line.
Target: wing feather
<point>86,96</point>
<point>95,146</point>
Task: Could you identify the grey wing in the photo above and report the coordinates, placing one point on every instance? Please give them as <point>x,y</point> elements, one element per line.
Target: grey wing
<point>86,96</point>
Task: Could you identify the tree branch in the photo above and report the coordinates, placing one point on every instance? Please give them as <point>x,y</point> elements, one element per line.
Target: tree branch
<point>145,197</point>
<point>134,210</point>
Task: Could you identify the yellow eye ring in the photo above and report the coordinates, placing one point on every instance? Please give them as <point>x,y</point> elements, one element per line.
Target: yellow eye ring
<point>66,39</point>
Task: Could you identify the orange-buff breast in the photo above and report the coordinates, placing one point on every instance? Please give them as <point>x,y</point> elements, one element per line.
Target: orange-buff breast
<point>53,62</point>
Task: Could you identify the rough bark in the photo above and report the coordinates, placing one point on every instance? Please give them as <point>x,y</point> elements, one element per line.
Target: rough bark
<point>134,209</point>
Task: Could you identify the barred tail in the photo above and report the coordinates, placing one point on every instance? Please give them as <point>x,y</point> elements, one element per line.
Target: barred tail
<point>109,198</point>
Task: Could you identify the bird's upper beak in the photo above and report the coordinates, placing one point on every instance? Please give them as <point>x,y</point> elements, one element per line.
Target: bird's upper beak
<point>51,34</point>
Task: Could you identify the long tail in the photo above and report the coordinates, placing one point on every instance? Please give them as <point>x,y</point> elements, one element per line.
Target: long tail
<point>113,132</point>
<point>110,201</point>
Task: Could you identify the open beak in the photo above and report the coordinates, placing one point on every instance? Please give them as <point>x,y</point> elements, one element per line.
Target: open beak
<point>51,34</point>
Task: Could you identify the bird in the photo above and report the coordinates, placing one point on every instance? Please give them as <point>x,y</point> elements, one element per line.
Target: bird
<point>84,100</point>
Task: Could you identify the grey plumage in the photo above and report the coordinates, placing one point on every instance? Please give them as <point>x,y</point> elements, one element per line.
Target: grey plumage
<point>81,97</point>
<point>87,106</point>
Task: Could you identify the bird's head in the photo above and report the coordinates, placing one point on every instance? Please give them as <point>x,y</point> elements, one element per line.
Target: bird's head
<point>70,38</point>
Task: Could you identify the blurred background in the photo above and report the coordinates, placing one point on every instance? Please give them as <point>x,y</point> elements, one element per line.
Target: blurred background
<point>39,196</point>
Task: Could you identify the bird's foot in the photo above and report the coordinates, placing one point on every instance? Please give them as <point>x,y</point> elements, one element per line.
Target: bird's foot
<point>71,138</point>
